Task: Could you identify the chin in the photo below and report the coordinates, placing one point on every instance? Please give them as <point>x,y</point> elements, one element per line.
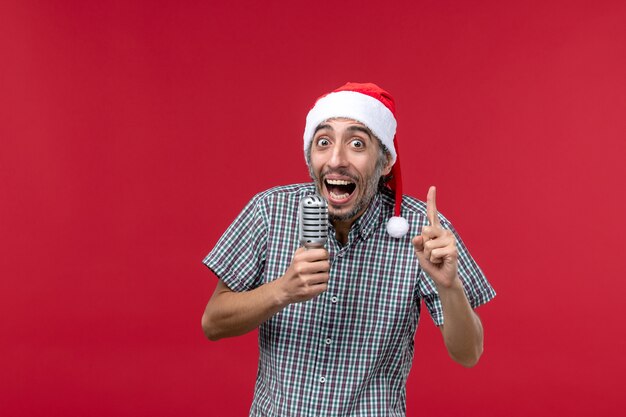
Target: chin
<point>350,213</point>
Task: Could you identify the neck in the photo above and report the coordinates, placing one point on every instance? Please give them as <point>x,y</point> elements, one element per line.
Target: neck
<point>342,228</point>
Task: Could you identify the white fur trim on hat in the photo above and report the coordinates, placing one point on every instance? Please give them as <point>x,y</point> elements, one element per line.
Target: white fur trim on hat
<point>352,105</point>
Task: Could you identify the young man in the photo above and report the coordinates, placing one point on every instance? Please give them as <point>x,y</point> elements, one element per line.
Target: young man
<point>337,324</point>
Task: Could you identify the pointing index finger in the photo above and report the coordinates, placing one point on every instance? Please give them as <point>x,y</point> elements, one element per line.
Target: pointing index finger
<point>431,207</point>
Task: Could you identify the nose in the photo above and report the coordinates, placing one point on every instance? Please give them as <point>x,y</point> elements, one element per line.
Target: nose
<point>338,157</point>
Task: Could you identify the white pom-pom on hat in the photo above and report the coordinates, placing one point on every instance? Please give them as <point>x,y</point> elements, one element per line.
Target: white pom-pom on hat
<point>397,227</point>
<point>375,108</point>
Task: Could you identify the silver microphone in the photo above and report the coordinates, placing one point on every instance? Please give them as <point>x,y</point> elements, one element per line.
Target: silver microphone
<point>313,231</point>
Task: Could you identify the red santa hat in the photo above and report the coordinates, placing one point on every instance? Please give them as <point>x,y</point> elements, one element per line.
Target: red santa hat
<point>375,108</point>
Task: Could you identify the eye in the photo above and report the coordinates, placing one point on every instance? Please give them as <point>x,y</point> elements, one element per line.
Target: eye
<point>323,142</point>
<point>357,143</point>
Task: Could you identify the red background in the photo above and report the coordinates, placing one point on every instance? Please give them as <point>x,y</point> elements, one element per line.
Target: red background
<point>133,132</point>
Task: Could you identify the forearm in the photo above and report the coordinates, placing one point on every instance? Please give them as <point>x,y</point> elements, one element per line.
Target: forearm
<point>462,330</point>
<point>230,313</point>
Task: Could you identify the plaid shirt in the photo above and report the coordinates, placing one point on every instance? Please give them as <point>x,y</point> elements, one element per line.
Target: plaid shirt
<point>348,351</point>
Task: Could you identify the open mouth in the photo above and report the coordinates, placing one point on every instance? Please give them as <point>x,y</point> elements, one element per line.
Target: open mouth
<point>340,190</point>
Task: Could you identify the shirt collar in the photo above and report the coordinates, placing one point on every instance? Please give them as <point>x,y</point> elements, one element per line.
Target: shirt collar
<point>369,221</point>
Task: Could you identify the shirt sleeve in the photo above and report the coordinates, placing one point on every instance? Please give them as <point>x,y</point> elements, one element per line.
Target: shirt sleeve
<point>477,288</point>
<point>238,258</point>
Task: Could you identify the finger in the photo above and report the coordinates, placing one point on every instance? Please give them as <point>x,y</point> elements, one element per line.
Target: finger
<point>319,266</point>
<point>431,207</point>
<point>314,254</point>
<point>307,268</point>
<point>445,241</point>
<point>318,279</point>
<point>427,253</point>
<point>440,255</point>
<point>318,289</point>
<point>436,255</point>
<point>441,242</point>
<point>432,232</point>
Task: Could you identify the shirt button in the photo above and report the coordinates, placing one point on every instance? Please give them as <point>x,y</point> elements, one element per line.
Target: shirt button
<point>322,379</point>
<point>334,299</point>
<point>328,341</point>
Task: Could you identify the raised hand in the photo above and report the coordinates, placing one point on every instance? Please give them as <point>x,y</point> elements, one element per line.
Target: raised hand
<point>436,247</point>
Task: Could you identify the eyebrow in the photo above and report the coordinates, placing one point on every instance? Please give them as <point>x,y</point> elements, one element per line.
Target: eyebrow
<point>320,127</point>
<point>361,129</point>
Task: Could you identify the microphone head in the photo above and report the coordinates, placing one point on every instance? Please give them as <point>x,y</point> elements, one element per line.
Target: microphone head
<point>313,221</point>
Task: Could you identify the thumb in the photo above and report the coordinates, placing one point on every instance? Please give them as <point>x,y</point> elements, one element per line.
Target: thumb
<point>418,243</point>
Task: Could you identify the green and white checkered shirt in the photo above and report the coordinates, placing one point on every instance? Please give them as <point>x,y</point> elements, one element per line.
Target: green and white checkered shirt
<point>348,351</point>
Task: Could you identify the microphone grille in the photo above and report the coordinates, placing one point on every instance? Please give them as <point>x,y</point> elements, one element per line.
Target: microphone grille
<point>313,221</point>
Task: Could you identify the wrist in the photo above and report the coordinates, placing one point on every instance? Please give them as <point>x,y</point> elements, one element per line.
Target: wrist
<point>278,296</point>
<point>454,285</point>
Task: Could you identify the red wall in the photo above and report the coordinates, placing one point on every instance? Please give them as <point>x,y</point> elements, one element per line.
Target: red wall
<point>132,133</point>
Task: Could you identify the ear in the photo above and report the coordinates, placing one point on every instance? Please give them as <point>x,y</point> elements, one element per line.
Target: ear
<point>388,165</point>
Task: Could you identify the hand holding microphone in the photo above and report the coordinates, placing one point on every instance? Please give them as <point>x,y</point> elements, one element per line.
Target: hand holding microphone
<point>307,276</point>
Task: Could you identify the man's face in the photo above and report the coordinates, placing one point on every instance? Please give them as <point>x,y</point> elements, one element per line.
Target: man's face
<point>345,167</point>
